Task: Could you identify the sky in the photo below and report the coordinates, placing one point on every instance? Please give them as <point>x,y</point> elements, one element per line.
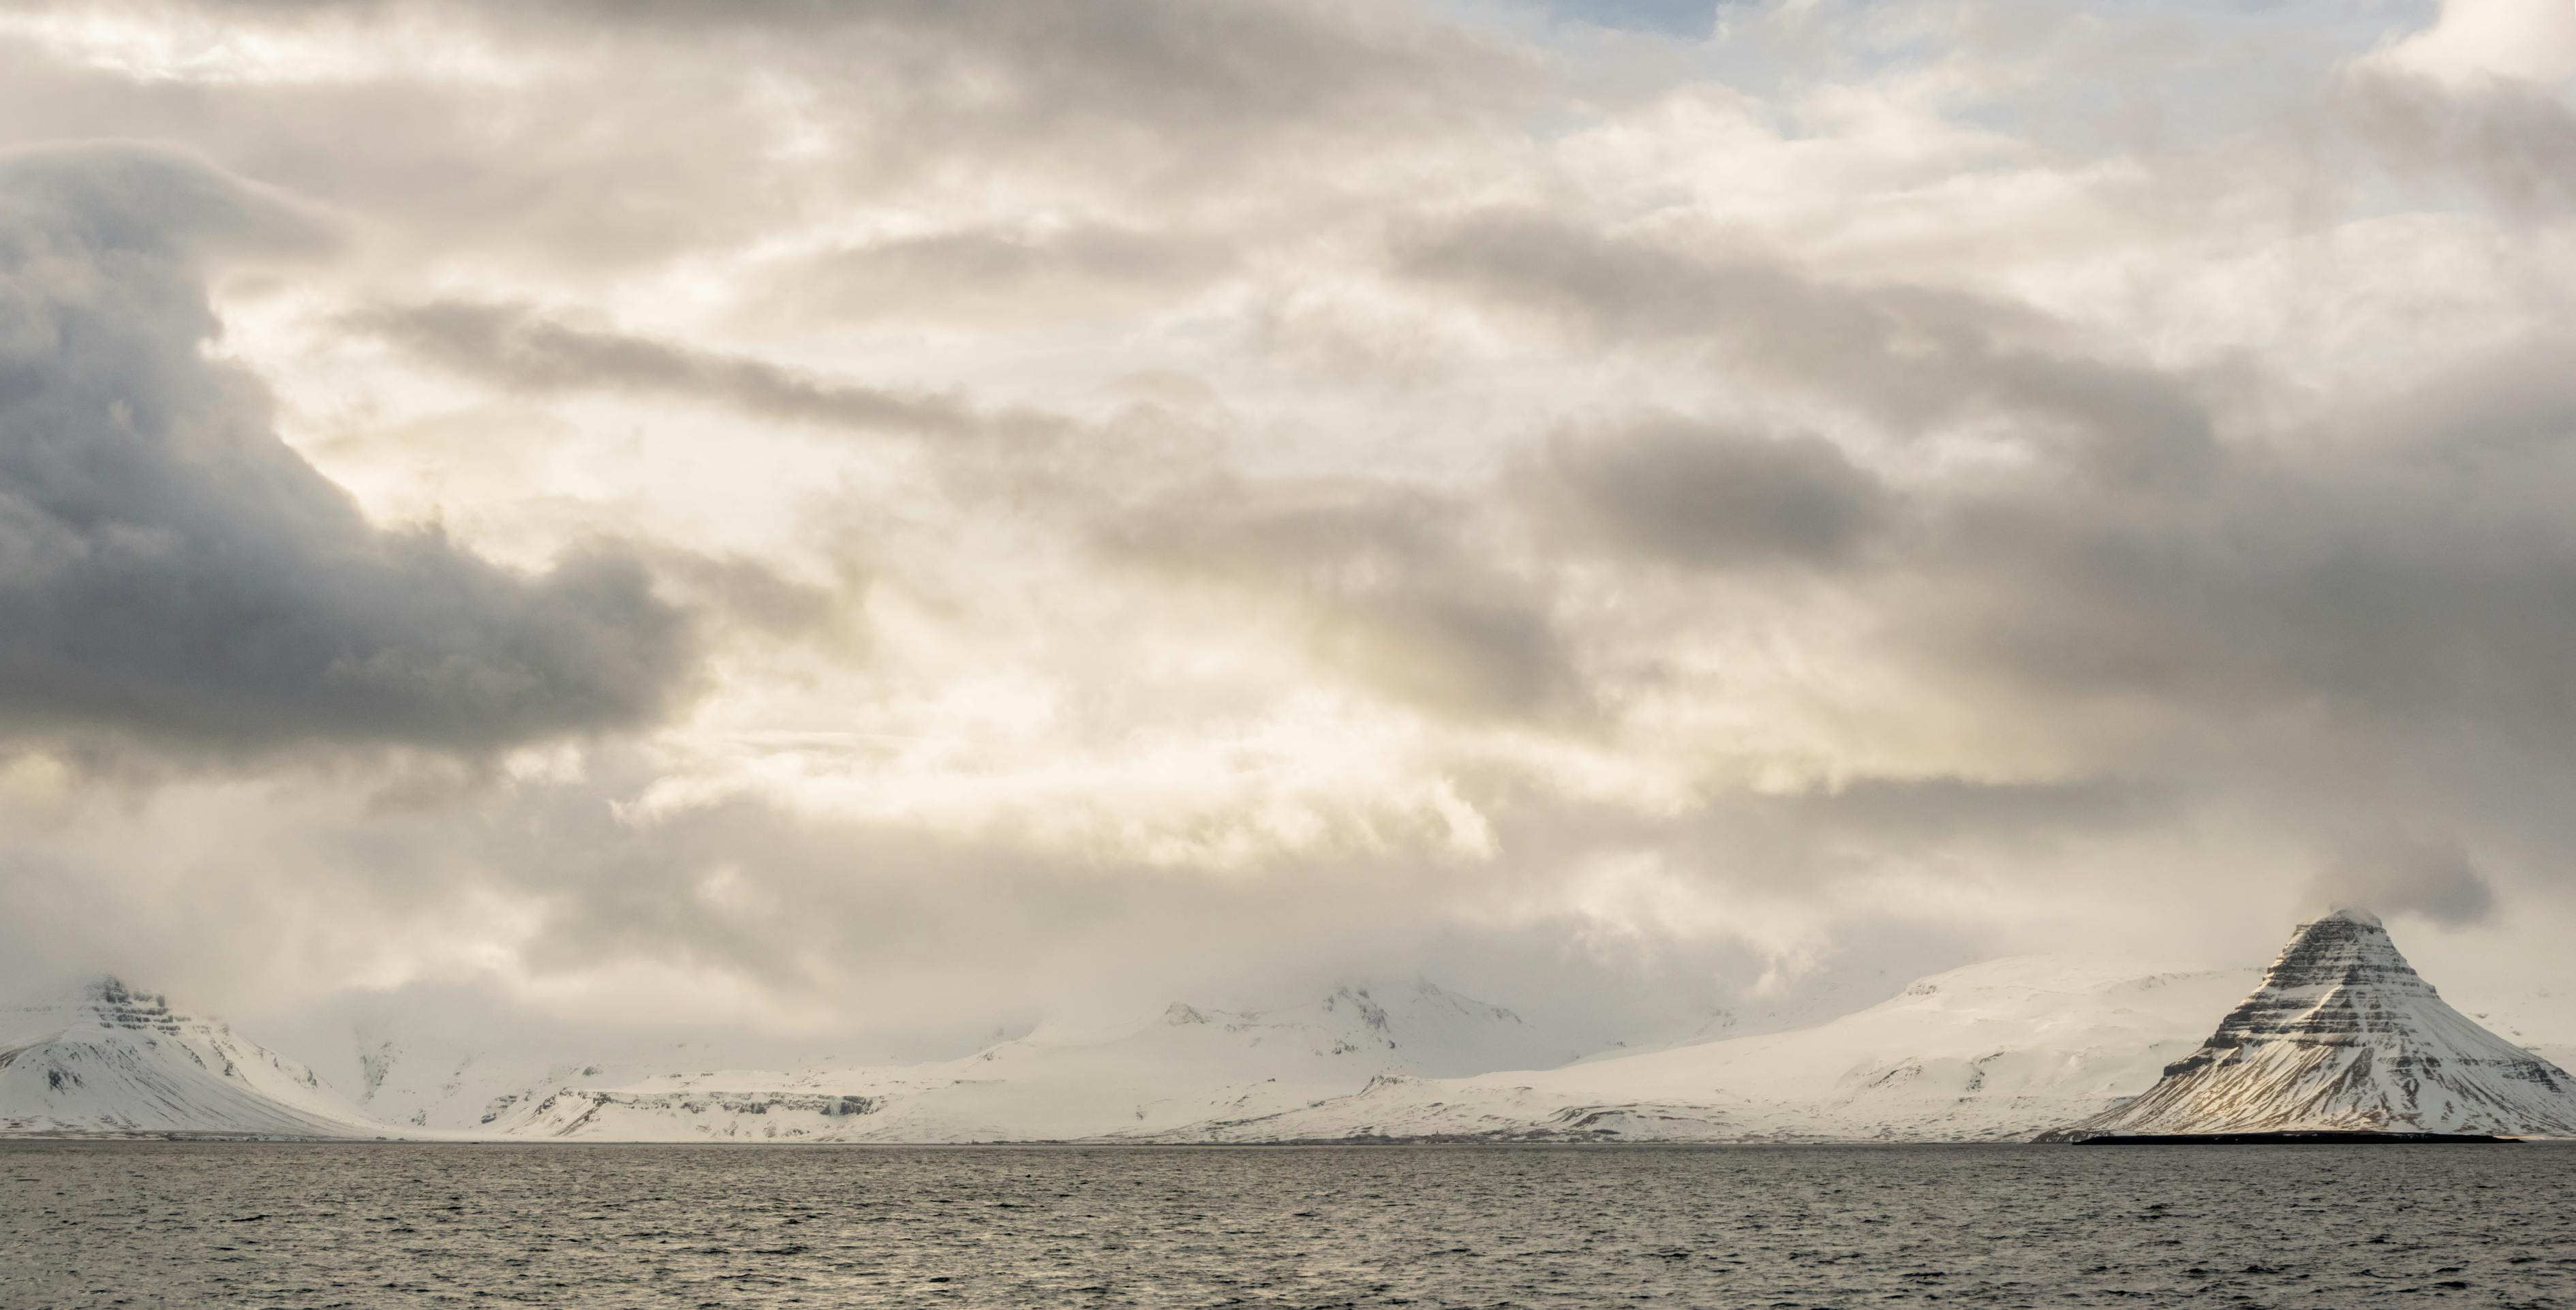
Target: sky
<point>892,519</point>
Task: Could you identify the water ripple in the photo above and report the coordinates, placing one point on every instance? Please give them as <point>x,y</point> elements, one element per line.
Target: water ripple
<point>193,1225</point>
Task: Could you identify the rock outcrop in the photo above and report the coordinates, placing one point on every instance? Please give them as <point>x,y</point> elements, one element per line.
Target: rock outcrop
<point>106,1058</point>
<point>2344,1035</point>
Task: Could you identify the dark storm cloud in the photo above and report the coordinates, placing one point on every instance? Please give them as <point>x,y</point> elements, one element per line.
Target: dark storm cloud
<point>169,569</point>
<point>1383,579</point>
<point>2411,566</point>
<point>517,347</point>
<point>1912,357</point>
<point>1692,494</point>
<point>2433,879</point>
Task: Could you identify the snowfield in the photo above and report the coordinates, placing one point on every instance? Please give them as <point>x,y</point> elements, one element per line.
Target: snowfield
<point>1162,1075</point>
<point>1993,1051</point>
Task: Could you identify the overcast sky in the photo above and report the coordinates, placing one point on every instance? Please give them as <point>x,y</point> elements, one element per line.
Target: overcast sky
<point>894,517</point>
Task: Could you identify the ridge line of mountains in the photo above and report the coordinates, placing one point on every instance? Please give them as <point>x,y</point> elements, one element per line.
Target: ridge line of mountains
<point>2339,1034</point>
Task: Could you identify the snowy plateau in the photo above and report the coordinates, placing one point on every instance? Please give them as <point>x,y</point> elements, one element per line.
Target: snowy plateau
<point>2338,1033</point>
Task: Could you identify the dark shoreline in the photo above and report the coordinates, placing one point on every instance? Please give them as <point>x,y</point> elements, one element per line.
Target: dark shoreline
<point>1294,1144</point>
<point>2321,1138</point>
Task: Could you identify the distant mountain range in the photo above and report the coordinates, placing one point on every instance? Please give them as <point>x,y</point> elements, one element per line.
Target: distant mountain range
<point>2340,1032</point>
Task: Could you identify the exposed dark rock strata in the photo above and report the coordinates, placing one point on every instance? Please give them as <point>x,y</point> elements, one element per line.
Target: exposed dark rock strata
<point>2343,1036</point>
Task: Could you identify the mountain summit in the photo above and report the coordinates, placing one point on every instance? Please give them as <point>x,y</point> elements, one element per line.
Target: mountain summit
<point>102,1057</point>
<point>2343,1035</point>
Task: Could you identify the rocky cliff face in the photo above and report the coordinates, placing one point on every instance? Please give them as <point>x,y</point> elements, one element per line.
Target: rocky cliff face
<point>2343,1034</point>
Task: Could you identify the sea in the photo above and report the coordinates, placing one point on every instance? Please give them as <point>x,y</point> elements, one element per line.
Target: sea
<point>154,1224</point>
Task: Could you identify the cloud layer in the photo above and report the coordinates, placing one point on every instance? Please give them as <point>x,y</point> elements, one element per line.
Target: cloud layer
<point>987,509</point>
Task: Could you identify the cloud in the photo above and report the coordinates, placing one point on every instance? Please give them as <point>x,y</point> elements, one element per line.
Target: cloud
<point>1692,494</point>
<point>170,570</point>
<point>2431,879</point>
<point>1171,67</point>
<point>517,347</point>
<point>614,134</point>
<point>1686,18</point>
<point>766,604</point>
<point>1383,582</point>
<point>2410,571</point>
<point>2485,43</point>
<point>1889,481</point>
<point>2508,139</point>
<point>2479,96</point>
<point>1915,358</point>
<point>997,277</point>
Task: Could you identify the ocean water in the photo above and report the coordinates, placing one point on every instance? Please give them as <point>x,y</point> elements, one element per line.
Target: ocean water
<point>190,1225</point>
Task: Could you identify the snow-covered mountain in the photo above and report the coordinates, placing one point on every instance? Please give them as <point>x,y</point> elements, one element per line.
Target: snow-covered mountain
<point>1159,1076</point>
<point>446,1085</point>
<point>1992,1051</point>
<point>2340,1033</point>
<point>104,1058</point>
<point>2343,1034</point>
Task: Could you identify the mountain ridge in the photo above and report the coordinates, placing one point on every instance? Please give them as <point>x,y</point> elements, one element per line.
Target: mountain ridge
<point>106,1058</point>
<point>2001,1050</point>
<point>2343,1035</point>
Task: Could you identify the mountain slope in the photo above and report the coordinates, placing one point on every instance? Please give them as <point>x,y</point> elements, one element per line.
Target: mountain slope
<point>1995,1050</point>
<point>445,1085</point>
<point>1183,1067</point>
<point>107,1059</point>
<point>2344,1034</point>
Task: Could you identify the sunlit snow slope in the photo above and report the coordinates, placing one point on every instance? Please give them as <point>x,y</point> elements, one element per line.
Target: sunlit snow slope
<point>103,1058</point>
<point>2343,1034</point>
<point>1996,1050</point>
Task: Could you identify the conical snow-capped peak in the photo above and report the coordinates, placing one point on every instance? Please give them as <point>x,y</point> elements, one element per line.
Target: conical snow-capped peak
<point>2339,977</point>
<point>2344,1035</point>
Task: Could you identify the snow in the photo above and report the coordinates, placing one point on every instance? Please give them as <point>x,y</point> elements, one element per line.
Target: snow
<point>2344,1034</point>
<point>2340,1032</point>
<point>104,1058</point>
<point>1183,1066</point>
<point>1996,1050</point>
<point>443,1085</point>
